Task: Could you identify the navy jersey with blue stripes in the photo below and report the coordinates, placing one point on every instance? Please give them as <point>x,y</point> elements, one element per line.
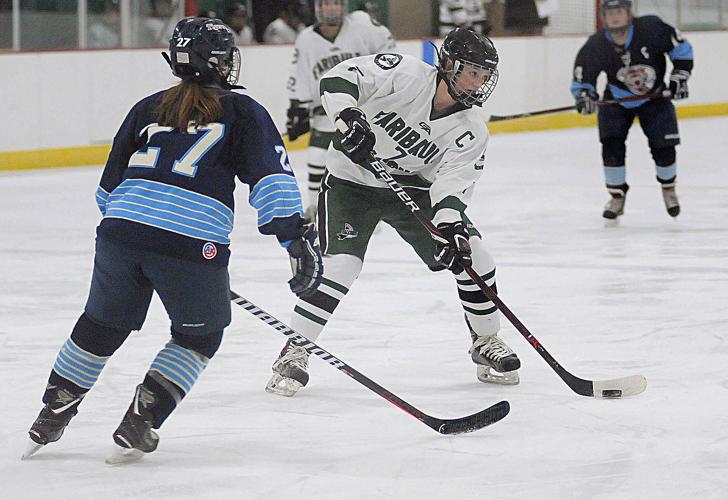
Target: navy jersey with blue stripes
<point>638,67</point>
<point>172,192</point>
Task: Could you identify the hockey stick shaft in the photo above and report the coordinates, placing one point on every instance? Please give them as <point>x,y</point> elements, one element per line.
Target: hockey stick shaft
<point>444,426</point>
<point>608,389</point>
<point>606,102</point>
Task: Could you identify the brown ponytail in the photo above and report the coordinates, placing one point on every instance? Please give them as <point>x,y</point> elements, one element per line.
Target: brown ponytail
<point>188,102</point>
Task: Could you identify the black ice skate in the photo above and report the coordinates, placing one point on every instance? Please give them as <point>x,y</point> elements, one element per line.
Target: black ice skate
<point>52,420</point>
<point>672,205</point>
<point>497,363</point>
<point>290,371</point>
<point>135,436</point>
<point>615,206</point>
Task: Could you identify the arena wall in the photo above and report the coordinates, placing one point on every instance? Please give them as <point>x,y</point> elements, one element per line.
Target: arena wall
<point>63,108</point>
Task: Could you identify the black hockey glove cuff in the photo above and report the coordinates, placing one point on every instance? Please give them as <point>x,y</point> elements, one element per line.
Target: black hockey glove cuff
<point>358,141</point>
<point>306,262</point>
<point>679,84</point>
<point>298,120</point>
<point>456,254</point>
<point>586,101</point>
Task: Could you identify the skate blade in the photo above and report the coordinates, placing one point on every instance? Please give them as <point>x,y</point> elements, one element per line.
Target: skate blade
<point>490,376</point>
<point>31,450</point>
<point>282,386</point>
<point>124,456</point>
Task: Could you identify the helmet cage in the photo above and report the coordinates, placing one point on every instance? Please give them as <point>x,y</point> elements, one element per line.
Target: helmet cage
<point>612,5</point>
<point>330,20</point>
<point>469,97</point>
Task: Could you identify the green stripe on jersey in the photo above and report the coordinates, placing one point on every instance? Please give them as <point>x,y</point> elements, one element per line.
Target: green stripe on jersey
<point>337,85</point>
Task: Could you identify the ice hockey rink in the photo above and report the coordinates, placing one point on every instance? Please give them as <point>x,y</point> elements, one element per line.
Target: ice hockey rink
<point>647,297</point>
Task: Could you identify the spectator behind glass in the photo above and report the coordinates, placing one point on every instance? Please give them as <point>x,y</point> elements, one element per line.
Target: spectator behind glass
<point>371,8</point>
<point>469,14</point>
<point>104,26</point>
<point>158,26</point>
<point>521,18</point>
<point>237,19</point>
<point>290,21</point>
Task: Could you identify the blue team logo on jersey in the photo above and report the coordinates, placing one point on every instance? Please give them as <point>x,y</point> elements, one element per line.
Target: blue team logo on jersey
<point>209,251</point>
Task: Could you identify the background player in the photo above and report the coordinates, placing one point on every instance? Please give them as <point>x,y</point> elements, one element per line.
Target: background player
<point>335,37</point>
<point>426,126</point>
<point>631,51</point>
<point>166,196</point>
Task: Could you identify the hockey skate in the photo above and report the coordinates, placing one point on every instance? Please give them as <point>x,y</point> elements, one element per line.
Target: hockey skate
<point>497,363</point>
<point>52,420</point>
<point>615,206</point>
<point>135,436</point>
<point>672,205</point>
<point>290,371</point>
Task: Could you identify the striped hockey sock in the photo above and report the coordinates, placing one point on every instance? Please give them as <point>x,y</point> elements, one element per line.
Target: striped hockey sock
<point>313,312</point>
<point>481,314</point>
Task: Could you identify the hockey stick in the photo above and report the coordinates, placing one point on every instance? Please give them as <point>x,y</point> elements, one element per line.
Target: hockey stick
<point>606,102</point>
<point>615,388</point>
<point>470,423</point>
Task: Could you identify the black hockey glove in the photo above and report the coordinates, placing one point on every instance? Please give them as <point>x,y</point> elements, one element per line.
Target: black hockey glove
<point>358,142</point>
<point>299,120</point>
<point>456,254</point>
<point>586,101</point>
<point>679,84</point>
<point>306,262</point>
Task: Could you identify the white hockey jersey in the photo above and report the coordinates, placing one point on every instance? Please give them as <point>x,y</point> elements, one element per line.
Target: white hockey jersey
<point>314,55</point>
<point>396,94</point>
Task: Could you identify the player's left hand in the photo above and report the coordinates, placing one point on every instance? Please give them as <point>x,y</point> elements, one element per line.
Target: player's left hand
<point>679,84</point>
<point>298,120</point>
<point>456,254</point>
<point>306,262</point>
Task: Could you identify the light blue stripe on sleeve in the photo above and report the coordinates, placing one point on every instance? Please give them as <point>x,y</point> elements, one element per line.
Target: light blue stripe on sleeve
<point>576,87</point>
<point>682,51</point>
<point>271,182</point>
<point>276,195</point>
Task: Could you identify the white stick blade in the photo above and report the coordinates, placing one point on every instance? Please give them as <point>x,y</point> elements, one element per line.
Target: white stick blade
<point>620,387</point>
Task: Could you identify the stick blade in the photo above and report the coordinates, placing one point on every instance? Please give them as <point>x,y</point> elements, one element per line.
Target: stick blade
<point>475,421</point>
<point>620,387</point>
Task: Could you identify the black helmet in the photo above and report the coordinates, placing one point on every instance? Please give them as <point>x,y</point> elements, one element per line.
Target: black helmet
<point>615,4</point>
<point>463,47</point>
<point>204,50</point>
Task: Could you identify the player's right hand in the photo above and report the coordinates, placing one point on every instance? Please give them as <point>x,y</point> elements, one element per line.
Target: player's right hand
<point>679,84</point>
<point>586,101</point>
<point>306,262</point>
<point>358,141</point>
<point>298,120</point>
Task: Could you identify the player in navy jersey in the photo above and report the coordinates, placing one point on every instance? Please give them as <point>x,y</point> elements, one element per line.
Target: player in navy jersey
<point>166,196</point>
<point>632,52</point>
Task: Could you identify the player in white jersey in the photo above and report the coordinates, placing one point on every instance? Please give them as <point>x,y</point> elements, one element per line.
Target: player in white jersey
<point>335,37</point>
<point>426,126</point>
<point>463,14</point>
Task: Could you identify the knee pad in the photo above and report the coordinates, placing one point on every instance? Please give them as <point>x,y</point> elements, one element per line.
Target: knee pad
<point>207,344</point>
<point>97,339</point>
<point>664,157</point>
<point>614,152</point>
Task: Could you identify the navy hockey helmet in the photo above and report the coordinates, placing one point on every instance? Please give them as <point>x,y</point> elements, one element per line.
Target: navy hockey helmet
<point>203,49</point>
<point>330,12</point>
<point>465,50</point>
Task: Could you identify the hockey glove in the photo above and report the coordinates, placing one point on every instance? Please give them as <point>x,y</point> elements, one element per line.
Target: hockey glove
<point>456,254</point>
<point>299,120</point>
<point>586,101</point>
<point>306,262</point>
<point>358,142</point>
<point>679,84</point>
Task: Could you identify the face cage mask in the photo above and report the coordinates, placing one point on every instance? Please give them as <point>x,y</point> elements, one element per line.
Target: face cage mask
<point>229,72</point>
<point>333,20</point>
<point>470,97</point>
<point>619,29</point>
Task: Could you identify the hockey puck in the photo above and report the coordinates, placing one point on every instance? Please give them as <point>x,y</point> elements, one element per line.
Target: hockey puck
<point>611,393</point>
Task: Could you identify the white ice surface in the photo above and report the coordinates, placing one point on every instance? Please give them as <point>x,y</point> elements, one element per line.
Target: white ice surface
<point>649,297</point>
